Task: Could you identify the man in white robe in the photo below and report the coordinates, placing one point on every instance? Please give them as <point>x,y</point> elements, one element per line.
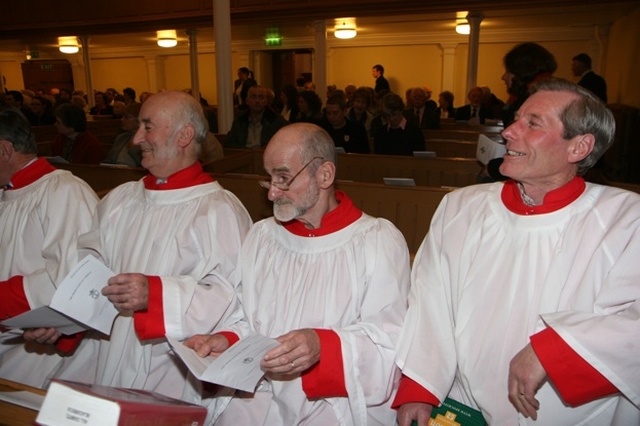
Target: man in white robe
<point>330,284</point>
<point>42,212</point>
<point>174,239</point>
<point>524,298</point>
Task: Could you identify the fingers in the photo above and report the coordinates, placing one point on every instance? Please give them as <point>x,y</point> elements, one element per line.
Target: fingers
<point>45,336</point>
<point>414,411</point>
<point>207,345</point>
<point>299,351</point>
<point>128,291</point>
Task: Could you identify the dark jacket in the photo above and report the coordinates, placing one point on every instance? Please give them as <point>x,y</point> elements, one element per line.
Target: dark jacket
<point>237,136</point>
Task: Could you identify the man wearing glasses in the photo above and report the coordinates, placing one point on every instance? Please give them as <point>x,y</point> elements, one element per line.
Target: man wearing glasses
<point>330,283</point>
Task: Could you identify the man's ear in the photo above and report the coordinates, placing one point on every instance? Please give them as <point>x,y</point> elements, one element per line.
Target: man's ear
<point>186,135</point>
<point>326,175</point>
<point>580,147</point>
<point>6,150</point>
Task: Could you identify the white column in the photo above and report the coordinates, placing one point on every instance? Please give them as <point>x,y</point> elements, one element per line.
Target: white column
<point>448,65</point>
<point>222,34</point>
<point>320,60</point>
<point>474,20</point>
<point>84,40</point>
<point>193,63</point>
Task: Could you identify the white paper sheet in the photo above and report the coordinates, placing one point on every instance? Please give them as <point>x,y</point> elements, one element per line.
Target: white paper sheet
<point>76,302</point>
<point>488,149</point>
<point>238,367</point>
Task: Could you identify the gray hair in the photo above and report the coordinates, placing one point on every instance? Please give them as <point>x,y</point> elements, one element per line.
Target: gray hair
<point>316,142</point>
<point>191,112</point>
<point>15,128</point>
<point>585,115</point>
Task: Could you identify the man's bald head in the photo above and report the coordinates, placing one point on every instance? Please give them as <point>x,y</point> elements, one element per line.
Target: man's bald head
<point>310,141</point>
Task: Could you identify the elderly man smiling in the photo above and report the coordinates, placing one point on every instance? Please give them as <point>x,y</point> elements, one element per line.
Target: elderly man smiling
<point>524,299</point>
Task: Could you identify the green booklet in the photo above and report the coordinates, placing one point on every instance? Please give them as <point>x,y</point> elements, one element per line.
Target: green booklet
<point>453,413</point>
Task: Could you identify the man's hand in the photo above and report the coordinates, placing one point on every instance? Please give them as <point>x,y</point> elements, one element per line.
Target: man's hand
<point>207,344</point>
<point>44,336</point>
<point>418,411</point>
<point>526,375</point>
<point>128,292</point>
<point>299,350</point>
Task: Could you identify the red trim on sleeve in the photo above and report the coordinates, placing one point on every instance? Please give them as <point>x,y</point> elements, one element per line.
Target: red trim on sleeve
<point>326,378</point>
<point>13,300</point>
<point>576,380</point>
<point>231,337</point>
<point>149,323</point>
<point>68,344</point>
<point>410,391</point>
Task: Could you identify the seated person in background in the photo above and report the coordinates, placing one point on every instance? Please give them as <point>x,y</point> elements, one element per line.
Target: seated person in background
<point>349,90</point>
<point>289,99</point>
<point>491,103</point>
<point>254,126</point>
<point>124,151</point>
<point>360,104</point>
<point>525,295</point>
<point>102,106</point>
<point>473,112</point>
<point>211,150</point>
<point>330,284</point>
<point>118,109</point>
<point>14,98</point>
<point>423,116</point>
<point>429,103</point>
<point>74,143</point>
<point>400,136</point>
<point>350,135</point>
<point>407,98</point>
<point>445,108</point>
<point>310,106</point>
<point>42,112</point>
<point>310,85</point>
<point>42,212</point>
<point>129,95</point>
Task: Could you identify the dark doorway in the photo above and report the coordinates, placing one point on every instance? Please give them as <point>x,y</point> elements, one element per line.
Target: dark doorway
<point>288,65</point>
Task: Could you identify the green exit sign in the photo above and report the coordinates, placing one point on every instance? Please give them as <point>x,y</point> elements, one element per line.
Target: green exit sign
<point>34,54</point>
<point>273,41</point>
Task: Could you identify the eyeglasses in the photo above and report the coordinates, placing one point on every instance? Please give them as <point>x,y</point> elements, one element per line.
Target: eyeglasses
<point>284,186</point>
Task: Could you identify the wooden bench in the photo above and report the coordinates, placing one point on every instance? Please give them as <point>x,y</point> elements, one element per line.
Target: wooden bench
<point>435,172</point>
<point>104,130</point>
<point>452,148</point>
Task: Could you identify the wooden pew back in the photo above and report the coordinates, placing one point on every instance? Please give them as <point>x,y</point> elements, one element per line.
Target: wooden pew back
<point>435,172</point>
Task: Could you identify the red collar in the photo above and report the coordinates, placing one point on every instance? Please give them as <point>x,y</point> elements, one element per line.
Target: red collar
<point>339,218</point>
<point>553,200</point>
<point>31,173</point>
<point>185,178</point>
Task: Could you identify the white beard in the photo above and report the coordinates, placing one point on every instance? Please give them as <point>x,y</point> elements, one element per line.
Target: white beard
<point>286,210</point>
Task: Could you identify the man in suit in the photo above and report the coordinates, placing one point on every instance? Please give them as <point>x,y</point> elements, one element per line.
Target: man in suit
<point>420,113</point>
<point>473,112</point>
<point>581,67</point>
<point>381,83</point>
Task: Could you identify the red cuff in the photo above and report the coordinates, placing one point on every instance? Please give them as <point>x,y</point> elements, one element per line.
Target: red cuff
<point>326,378</point>
<point>68,344</point>
<point>13,300</point>
<point>411,391</point>
<point>576,380</point>
<point>149,323</point>
<point>231,337</point>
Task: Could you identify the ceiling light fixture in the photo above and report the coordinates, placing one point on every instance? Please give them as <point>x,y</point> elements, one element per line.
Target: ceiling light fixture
<point>345,28</point>
<point>462,25</point>
<point>167,38</point>
<point>68,44</point>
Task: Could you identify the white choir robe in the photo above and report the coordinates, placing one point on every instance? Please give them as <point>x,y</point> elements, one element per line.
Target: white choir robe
<point>39,227</point>
<point>354,282</point>
<point>191,239</point>
<point>485,279</point>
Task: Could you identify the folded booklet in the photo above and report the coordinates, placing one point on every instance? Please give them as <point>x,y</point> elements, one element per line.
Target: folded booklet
<point>238,367</point>
<point>77,304</point>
